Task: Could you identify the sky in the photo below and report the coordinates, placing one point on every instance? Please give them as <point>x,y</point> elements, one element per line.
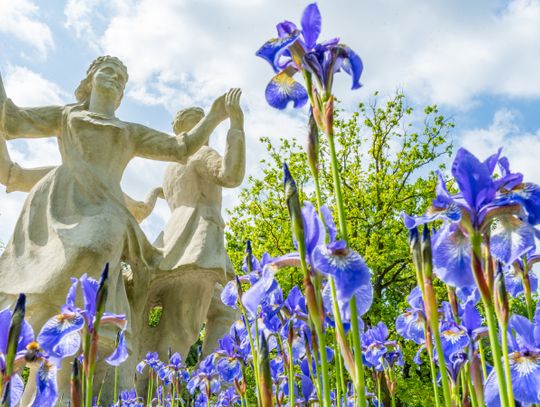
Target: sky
<point>479,61</point>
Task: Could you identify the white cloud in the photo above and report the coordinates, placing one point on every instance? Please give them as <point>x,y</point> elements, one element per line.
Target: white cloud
<point>20,18</point>
<point>28,88</point>
<point>521,147</point>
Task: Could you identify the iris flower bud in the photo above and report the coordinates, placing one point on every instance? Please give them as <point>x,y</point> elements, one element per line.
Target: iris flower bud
<point>501,296</point>
<point>264,374</point>
<point>102,292</point>
<point>15,328</point>
<point>75,390</point>
<point>313,144</point>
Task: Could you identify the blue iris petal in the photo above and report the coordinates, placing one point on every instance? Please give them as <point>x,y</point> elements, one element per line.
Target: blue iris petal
<point>511,238</point>
<point>16,389</point>
<point>410,325</point>
<point>311,25</point>
<point>56,329</point>
<point>283,89</point>
<point>46,388</point>
<point>353,65</point>
<point>89,289</point>
<point>120,354</point>
<point>451,257</point>
<point>229,369</point>
<point>347,267</point>
<point>229,294</point>
<point>474,180</point>
<point>272,49</point>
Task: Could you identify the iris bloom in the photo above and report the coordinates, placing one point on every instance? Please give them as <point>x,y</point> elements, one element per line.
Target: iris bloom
<point>296,50</point>
<point>376,347</point>
<point>411,324</point>
<point>60,337</point>
<point>524,350</point>
<point>483,203</point>
<point>205,379</point>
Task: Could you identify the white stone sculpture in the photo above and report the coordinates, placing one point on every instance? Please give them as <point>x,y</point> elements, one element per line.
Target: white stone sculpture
<point>75,219</point>
<point>195,262</point>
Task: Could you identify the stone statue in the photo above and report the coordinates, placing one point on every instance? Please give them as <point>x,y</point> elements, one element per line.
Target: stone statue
<point>16,178</point>
<point>193,240</point>
<point>75,219</point>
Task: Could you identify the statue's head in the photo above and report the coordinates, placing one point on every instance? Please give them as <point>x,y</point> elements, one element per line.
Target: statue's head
<point>105,74</point>
<point>186,119</point>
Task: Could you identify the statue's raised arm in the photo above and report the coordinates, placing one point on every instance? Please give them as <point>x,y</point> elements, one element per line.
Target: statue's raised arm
<point>2,90</point>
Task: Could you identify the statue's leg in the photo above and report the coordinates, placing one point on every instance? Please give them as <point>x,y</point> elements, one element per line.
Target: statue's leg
<point>185,305</point>
<point>218,321</point>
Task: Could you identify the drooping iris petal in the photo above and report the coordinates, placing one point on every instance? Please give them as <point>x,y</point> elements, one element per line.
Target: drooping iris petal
<point>272,49</point>
<point>410,325</point>
<point>311,25</point>
<point>451,257</point>
<point>229,368</point>
<point>525,374</point>
<point>345,265</point>
<point>511,238</point>
<point>229,294</point>
<point>454,338</point>
<point>364,299</point>
<point>46,388</point>
<point>120,354</point>
<point>255,295</point>
<point>474,179</point>
<point>56,329</point>
<point>16,389</point>
<point>352,64</point>
<point>283,89</point>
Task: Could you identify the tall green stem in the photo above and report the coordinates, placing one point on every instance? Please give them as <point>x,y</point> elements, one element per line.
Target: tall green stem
<point>507,371</point>
<point>483,286</point>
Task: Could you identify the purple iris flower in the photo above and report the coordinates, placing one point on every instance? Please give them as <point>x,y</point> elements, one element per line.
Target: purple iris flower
<point>297,50</point>
<point>228,398</point>
<point>411,324</point>
<point>174,371</point>
<point>205,379</point>
<point>524,357</point>
<point>129,398</point>
<point>152,361</point>
<point>60,337</point>
<point>483,201</point>
<point>379,352</point>
<point>228,361</point>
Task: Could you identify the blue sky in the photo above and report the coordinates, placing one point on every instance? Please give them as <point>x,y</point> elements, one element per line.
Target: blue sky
<point>479,61</point>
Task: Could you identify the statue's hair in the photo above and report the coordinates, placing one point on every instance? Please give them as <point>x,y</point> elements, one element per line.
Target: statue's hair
<point>179,122</point>
<point>82,93</point>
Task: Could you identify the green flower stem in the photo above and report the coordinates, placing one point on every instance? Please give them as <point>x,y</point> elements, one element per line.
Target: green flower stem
<point>476,263</point>
<point>482,359</point>
<point>433,370</point>
<point>291,376</point>
<point>340,381</point>
<point>150,389</point>
<point>342,219</point>
<point>378,387</point>
<point>433,319</point>
<point>506,358</point>
<point>527,289</point>
<point>313,374</point>
<point>472,392</point>
<point>254,350</point>
<point>360,386</point>
<point>324,364</point>
<point>359,382</point>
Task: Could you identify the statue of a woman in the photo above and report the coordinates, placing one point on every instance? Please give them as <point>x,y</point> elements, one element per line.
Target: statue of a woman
<point>75,218</point>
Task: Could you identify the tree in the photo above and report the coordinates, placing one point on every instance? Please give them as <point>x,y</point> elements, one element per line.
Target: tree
<point>386,167</point>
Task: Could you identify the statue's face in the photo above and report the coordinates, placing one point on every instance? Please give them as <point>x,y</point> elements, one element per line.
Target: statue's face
<point>109,78</point>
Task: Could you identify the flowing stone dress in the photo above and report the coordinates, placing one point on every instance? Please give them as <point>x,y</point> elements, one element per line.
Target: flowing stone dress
<point>74,219</point>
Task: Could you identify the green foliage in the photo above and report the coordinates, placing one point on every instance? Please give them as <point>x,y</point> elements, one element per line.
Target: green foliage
<point>386,164</point>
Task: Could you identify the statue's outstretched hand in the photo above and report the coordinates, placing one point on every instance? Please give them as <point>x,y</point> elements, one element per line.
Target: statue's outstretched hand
<point>232,105</point>
<point>218,109</point>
